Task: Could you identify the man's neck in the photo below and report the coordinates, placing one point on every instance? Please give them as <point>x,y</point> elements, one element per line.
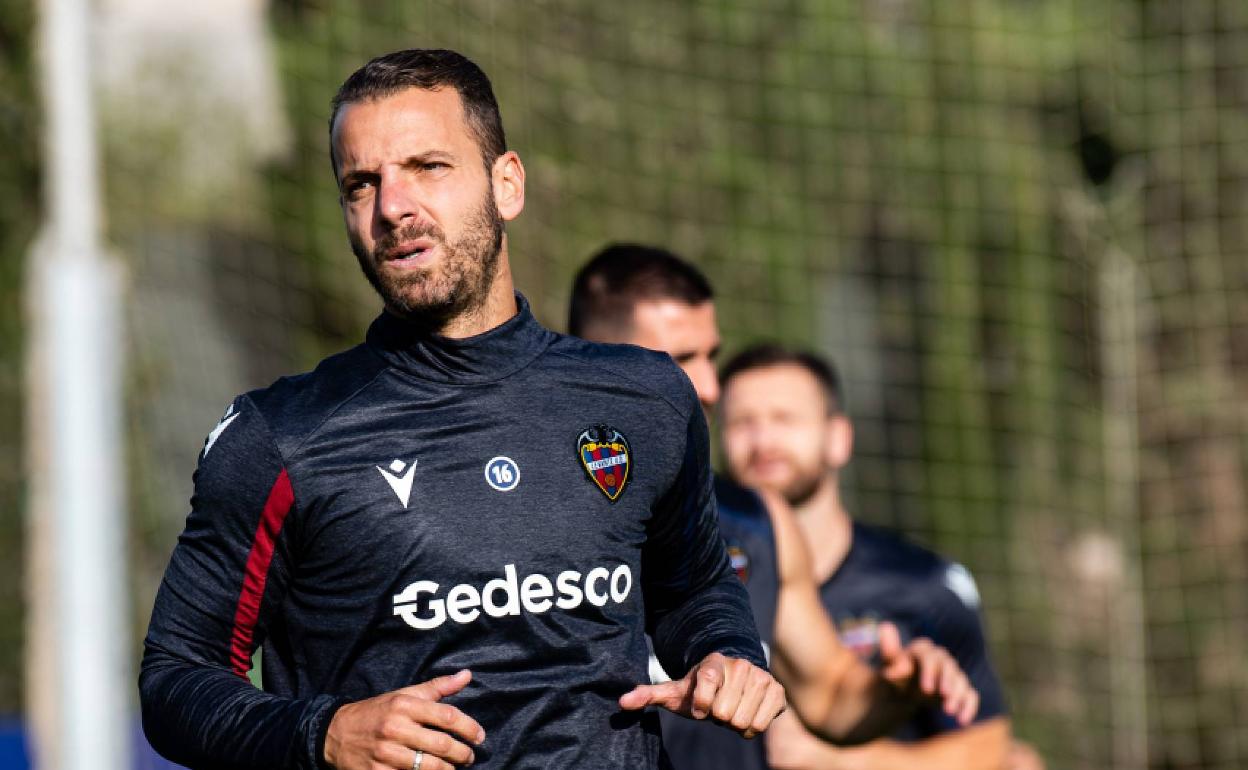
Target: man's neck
<point>499,305</point>
<point>827,527</point>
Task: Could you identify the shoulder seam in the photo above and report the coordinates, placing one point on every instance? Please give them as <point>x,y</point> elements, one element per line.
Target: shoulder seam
<point>268,432</point>
<point>338,407</point>
<point>681,413</point>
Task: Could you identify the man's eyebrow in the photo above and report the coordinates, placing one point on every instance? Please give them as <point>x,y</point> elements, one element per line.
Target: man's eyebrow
<point>411,161</point>
<point>421,158</point>
<point>357,172</point>
<point>348,178</point>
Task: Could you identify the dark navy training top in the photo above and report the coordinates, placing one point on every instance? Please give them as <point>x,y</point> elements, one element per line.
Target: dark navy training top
<point>746,527</point>
<point>520,503</point>
<point>886,578</point>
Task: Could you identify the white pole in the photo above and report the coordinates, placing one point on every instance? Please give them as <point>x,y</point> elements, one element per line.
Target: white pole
<point>76,315</point>
<point>1120,334</point>
<point>70,155</point>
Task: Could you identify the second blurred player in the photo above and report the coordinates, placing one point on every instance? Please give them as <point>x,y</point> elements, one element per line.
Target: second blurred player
<point>649,297</point>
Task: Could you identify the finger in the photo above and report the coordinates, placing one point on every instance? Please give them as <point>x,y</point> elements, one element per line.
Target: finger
<point>428,762</point>
<point>669,695</point>
<point>932,661</point>
<point>401,757</point>
<point>440,687</point>
<point>756,686</point>
<point>889,641</point>
<point>437,744</point>
<point>897,663</point>
<point>773,705</point>
<point>707,680</point>
<point>953,684</point>
<point>444,717</point>
<point>970,708</point>
<point>728,698</point>
<point>959,695</point>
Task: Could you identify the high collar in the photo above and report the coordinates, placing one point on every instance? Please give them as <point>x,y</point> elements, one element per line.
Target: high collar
<point>491,355</point>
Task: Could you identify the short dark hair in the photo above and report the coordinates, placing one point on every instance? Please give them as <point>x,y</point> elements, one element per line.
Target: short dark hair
<point>610,284</point>
<point>770,354</point>
<point>429,69</point>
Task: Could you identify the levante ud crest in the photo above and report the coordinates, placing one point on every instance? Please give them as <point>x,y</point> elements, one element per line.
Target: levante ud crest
<point>604,453</point>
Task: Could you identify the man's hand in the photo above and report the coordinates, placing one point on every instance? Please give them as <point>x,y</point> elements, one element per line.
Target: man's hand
<point>388,730</point>
<point>733,691</point>
<point>938,674</point>
<point>791,747</point>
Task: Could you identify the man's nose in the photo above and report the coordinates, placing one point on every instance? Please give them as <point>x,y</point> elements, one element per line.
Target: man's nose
<point>705,383</point>
<point>398,200</point>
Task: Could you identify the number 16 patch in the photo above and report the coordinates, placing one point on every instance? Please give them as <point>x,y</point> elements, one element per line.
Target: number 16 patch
<point>603,452</point>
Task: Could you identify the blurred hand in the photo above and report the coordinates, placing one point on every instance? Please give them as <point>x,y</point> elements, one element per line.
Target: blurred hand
<point>791,747</point>
<point>733,691</point>
<point>938,675</point>
<point>388,730</point>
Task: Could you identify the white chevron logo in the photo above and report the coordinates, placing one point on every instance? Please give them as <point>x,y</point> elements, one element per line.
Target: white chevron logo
<point>402,485</point>
<point>229,417</point>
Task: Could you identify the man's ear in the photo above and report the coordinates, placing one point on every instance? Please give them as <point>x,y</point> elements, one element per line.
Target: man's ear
<point>507,180</point>
<point>840,441</point>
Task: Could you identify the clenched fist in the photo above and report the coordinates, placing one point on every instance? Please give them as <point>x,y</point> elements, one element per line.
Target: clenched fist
<point>733,691</point>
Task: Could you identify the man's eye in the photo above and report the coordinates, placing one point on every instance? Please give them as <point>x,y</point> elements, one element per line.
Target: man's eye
<point>357,188</point>
<point>435,165</point>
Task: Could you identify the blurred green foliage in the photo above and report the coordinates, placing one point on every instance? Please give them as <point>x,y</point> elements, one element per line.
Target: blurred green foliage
<point>20,204</point>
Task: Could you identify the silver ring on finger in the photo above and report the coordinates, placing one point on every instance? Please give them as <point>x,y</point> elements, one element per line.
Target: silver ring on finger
<point>417,759</point>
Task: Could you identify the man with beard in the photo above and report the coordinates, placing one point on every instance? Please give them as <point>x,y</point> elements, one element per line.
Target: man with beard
<point>648,296</point>
<point>785,430</point>
<point>451,540</point>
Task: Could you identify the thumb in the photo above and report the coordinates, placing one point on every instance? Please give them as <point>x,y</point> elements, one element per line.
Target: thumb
<point>440,687</point>
<point>896,665</point>
<point>668,695</point>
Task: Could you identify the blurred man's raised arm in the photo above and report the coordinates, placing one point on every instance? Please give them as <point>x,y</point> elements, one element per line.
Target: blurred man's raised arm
<point>834,693</point>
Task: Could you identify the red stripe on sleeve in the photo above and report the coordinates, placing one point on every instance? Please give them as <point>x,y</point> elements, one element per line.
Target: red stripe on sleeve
<point>281,499</point>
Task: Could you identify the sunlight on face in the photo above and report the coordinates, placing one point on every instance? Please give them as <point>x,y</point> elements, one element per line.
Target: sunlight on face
<point>688,333</point>
<point>418,203</point>
<point>775,423</point>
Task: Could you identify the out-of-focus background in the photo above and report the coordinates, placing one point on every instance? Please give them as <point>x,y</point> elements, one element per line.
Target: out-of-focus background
<point>1019,226</point>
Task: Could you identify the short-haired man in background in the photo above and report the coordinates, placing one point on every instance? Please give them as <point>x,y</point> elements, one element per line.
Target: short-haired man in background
<point>784,429</point>
<point>648,296</point>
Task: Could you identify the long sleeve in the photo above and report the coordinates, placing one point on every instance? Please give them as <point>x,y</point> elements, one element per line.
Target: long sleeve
<point>695,604</point>
<point>956,625</point>
<point>227,572</point>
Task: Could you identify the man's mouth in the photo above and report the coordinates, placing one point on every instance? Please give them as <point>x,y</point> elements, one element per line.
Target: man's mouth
<point>769,466</point>
<point>410,254</point>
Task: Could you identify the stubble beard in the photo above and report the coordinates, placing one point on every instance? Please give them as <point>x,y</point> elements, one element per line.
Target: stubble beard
<point>803,488</point>
<point>458,285</point>
<point>800,489</point>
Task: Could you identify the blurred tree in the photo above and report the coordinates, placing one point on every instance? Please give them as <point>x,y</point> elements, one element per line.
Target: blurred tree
<point>20,205</point>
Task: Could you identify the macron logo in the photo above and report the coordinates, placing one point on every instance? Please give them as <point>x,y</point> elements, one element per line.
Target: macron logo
<point>402,485</point>
<point>227,418</point>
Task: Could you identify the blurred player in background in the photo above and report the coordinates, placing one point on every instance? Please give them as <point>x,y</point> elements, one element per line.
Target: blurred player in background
<point>649,297</point>
<point>785,430</point>
<point>452,539</point>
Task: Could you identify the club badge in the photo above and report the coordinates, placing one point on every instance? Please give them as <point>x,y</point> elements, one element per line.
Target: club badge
<point>603,452</point>
<point>862,635</point>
